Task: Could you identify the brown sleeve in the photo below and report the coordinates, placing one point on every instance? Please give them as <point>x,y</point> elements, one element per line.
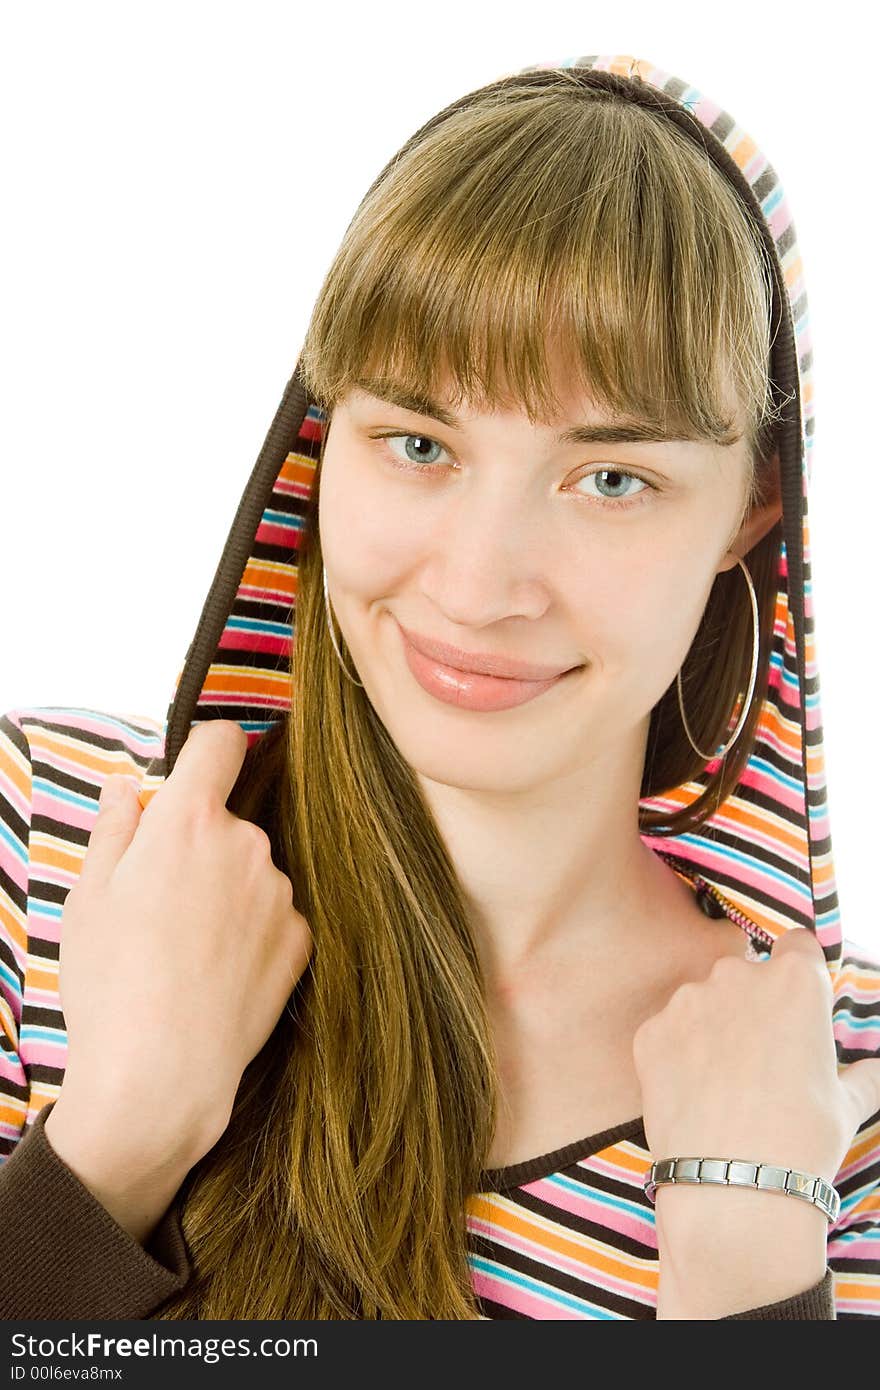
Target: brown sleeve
<point>815,1302</point>
<point>64,1256</point>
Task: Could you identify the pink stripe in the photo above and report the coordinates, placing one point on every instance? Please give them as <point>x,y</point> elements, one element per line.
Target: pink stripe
<point>779,219</point>
<point>864,1040</point>
<point>857,1245</point>
<point>43,998</point>
<point>291,487</point>
<point>239,697</point>
<point>39,1053</point>
<point>236,640</point>
<point>271,533</point>
<point>707,111</point>
<point>552,1258</point>
<point>747,876</point>
<point>13,866</point>
<point>17,799</point>
<point>42,924</point>
<point>267,595</point>
<point>520,1300</point>
<point>50,804</point>
<point>83,723</point>
<point>310,429</point>
<point>11,1071</point>
<point>589,1208</point>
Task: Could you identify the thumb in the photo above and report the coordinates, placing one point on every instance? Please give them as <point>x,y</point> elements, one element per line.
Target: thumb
<point>119,813</point>
<point>862,1080</point>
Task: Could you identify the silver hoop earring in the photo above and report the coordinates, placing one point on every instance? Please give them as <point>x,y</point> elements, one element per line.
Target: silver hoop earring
<point>332,633</point>
<point>722,751</point>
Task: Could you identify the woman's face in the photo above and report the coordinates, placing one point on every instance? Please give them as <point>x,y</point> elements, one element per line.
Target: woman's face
<point>505,538</point>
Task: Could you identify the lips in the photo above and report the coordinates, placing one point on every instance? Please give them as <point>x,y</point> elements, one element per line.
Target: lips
<point>481,663</point>
<point>471,689</point>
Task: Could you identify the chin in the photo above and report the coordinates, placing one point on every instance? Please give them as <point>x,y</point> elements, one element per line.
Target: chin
<point>477,759</point>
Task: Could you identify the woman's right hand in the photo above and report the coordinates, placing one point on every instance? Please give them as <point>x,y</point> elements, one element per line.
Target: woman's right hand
<point>180,946</point>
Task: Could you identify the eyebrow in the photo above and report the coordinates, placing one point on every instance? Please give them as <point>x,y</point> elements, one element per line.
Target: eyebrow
<point>630,432</point>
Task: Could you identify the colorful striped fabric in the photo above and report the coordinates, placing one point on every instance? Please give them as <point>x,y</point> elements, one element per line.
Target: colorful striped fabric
<point>568,1234</point>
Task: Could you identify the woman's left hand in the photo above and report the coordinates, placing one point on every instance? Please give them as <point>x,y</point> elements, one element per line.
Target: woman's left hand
<point>743,1065</point>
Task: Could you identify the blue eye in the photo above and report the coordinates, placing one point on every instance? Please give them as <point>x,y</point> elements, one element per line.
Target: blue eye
<point>417,461</point>
<point>618,475</point>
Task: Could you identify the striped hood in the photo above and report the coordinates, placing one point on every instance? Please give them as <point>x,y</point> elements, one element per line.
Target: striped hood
<point>765,854</point>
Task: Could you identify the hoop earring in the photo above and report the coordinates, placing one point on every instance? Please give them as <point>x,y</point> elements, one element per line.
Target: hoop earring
<point>721,752</point>
<point>332,633</point>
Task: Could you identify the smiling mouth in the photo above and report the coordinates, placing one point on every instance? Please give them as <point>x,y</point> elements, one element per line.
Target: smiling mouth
<point>481,663</point>
<point>475,690</point>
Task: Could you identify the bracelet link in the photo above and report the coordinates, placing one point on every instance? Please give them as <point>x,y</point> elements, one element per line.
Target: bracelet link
<point>770,1177</point>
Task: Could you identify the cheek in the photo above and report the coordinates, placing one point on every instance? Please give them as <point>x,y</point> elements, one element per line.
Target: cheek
<point>640,613</point>
<point>369,541</point>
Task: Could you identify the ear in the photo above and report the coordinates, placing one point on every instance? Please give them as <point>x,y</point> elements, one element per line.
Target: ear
<point>759,521</point>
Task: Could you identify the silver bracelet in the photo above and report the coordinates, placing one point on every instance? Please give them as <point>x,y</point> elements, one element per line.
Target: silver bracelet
<point>736,1172</point>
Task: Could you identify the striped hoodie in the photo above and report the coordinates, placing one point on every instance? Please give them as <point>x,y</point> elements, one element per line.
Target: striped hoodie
<point>567,1234</point>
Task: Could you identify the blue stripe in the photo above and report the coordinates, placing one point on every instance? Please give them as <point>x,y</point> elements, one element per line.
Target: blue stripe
<point>12,980</point>
<point>125,726</point>
<point>782,779</point>
<point>256,625</point>
<point>737,857</point>
<point>577,1305</point>
<point>59,793</point>
<point>858,1024</point>
<point>627,1208</point>
<point>290,523</point>
<point>772,201</point>
<point>13,842</point>
<point>31,1033</point>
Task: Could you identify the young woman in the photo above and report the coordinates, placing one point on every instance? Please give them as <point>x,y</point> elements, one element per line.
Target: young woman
<point>539,764</point>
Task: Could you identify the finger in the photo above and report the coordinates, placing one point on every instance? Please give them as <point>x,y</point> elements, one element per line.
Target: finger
<point>119,813</point>
<point>802,939</point>
<point>209,762</point>
<point>862,1079</point>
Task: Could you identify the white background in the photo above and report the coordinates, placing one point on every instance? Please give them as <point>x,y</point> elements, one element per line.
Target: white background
<point>176,178</point>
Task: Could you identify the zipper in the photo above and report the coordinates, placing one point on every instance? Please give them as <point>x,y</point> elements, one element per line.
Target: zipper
<point>762,938</point>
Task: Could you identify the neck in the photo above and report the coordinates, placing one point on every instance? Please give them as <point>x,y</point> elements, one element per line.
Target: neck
<point>556,865</point>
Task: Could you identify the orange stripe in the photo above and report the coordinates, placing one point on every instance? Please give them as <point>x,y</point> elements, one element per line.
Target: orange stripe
<point>245,679</point>
<point>86,756</point>
<point>744,151</point>
<point>863,1145</point>
<point>16,929</point>
<point>298,468</point>
<point>12,1113</point>
<point>604,1259</point>
<point>260,575</point>
<point>794,270</point>
<point>846,1287</point>
<point>43,976</point>
<point>851,976</point>
<point>18,775</point>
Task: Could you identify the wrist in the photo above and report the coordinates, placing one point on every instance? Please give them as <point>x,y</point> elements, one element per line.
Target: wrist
<point>135,1187</point>
<point>690,1213</point>
<point>85,1132</point>
<point>727,1249</point>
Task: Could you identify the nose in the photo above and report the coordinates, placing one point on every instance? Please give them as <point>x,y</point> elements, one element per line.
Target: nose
<point>486,560</point>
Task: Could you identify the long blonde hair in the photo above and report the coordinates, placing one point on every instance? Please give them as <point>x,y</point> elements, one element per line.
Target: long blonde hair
<point>537,205</point>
